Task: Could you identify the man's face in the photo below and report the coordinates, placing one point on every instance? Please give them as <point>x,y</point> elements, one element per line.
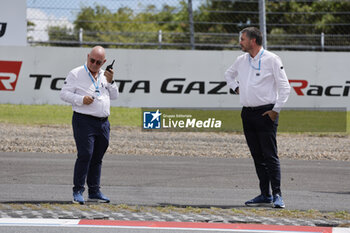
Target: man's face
<point>94,62</point>
<point>245,43</point>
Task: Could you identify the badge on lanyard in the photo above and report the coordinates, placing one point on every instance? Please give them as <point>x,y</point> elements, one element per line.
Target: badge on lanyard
<point>97,93</point>
<point>256,68</point>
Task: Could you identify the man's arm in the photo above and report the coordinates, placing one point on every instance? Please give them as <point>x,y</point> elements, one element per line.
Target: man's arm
<point>68,94</point>
<point>230,76</point>
<point>282,83</point>
<point>112,86</point>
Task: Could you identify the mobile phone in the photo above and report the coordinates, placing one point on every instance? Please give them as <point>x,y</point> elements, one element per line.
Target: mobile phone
<point>109,67</point>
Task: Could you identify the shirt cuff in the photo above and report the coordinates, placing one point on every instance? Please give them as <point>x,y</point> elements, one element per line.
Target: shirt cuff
<point>233,86</point>
<point>79,101</point>
<point>113,84</point>
<point>277,109</point>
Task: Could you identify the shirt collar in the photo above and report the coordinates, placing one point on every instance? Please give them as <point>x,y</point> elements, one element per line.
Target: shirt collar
<point>257,56</point>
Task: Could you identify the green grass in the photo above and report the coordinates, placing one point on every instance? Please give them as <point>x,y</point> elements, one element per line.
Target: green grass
<point>290,120</point>
<point>313,121</point>
<point>61,115</point>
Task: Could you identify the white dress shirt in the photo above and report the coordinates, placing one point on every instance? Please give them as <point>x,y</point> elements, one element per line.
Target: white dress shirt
<point>79,84</point>
<point>261,80</point>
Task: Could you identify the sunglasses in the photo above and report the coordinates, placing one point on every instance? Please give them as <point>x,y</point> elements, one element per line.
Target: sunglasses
<point>98,62</point>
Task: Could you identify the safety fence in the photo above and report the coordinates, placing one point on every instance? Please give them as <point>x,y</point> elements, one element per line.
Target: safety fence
<point>188,24</point>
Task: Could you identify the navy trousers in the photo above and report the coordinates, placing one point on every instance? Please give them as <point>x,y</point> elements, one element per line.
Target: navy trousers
<point>91,136</point>
<point>260,133</point>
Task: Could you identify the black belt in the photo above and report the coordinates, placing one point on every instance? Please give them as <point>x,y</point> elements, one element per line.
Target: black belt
<point>91,117</point>
<point>267,106</point>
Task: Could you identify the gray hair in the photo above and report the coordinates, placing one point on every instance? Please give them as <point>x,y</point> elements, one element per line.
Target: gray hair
<point>253,33</point>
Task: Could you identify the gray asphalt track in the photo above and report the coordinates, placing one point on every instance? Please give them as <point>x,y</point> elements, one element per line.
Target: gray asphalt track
<point>178,181</point>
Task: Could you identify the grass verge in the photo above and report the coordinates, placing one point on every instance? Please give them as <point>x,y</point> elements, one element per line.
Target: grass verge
<point>61,115</point>
<point>291,121</point>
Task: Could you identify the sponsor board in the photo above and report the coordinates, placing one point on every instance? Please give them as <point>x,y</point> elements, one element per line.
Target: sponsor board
<point>9,72</point>
<point>170,79</point>
<point>303,88</point>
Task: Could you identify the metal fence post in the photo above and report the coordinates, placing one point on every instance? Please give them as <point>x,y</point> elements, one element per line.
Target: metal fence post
<point>190,16</point>
<point>80,36</point>
<point>160,38</point>
<point>322,41</point>
<point>262,21</point>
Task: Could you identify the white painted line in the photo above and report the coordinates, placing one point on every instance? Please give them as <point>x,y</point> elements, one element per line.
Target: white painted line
<point>341,230</point>
<point>38,222</point>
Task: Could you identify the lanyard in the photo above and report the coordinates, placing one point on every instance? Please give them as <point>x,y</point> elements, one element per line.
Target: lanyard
<point>250,61</point>
<point>96,85</point>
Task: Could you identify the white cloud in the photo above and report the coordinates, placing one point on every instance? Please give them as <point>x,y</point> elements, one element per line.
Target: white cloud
<point>42,21</point>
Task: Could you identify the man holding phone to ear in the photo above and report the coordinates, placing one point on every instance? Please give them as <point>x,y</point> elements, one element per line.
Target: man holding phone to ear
<point>89,89</point>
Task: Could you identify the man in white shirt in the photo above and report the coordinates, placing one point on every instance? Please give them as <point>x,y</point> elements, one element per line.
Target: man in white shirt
<point>89,89</point>
<point>259,78</point>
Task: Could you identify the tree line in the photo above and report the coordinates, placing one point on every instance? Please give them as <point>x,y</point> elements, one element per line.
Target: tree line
<point>135,29</point>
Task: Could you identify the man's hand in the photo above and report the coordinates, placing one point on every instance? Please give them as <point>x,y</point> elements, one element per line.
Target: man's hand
<point>88,100</point>
<point>272,114</point>
<point>109,75</point>
<point>237,90</point>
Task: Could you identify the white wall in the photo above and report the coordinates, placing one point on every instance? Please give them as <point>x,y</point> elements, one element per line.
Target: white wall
<point>43,69</point>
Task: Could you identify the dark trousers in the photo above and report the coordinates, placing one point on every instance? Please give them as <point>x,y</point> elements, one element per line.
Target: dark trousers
<point>260,133</point>
<point>91,136</point>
